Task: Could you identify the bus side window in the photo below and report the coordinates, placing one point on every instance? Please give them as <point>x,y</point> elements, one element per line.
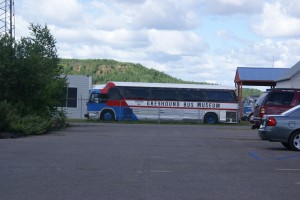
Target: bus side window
<point>103,98</point>
<point>94,98</point>
<point>198,95</point>
<point>114,94</point>
<point>169,94</point>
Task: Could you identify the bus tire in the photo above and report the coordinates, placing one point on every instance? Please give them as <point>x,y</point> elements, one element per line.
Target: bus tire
<point>211,118</point>
<point>107,115</point>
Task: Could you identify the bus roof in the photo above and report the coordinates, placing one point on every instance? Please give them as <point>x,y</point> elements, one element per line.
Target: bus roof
<point>171,85</point>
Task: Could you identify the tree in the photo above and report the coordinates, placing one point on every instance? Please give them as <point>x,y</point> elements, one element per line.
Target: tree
<point>6,64</point>
<point>30,73</point>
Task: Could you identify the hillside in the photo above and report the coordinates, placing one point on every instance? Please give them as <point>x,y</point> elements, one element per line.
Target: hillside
<point>104,70</point>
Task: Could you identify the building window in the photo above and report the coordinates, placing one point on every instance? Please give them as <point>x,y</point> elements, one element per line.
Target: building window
<point>71,98</point>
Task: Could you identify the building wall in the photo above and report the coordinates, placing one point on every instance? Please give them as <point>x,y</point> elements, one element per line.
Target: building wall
<point>284,84</point>
<point>294,82</point>
<point>77,108</point>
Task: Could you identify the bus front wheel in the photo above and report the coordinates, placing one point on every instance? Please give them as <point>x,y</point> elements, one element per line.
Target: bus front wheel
<point>107,115</point>
<point>211,118</point>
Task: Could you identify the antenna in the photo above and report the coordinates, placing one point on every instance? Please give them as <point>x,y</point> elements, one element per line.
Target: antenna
<point>7,18</point>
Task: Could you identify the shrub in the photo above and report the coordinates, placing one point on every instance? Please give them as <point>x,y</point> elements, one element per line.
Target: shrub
<point>29,125</point>
<point>13,123</point>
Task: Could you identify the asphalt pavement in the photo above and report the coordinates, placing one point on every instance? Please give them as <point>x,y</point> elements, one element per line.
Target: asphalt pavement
<point>104,161</point>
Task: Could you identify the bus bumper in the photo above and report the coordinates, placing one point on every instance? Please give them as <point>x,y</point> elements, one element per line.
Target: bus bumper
<point>91,115</point>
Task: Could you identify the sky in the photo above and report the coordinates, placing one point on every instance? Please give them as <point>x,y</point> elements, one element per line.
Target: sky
<point>193,40</point>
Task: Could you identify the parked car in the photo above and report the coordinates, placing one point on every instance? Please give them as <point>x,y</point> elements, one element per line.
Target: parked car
<point>284,128</point>
<point>274,101</point>
<point>248,107</point>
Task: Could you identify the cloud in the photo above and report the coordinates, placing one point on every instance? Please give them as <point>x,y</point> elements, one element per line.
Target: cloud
<point>60,12</point>
<point>230,7</point>
<point>175,42</point>
<point>292,7</point>
<point>117,39</point>
<point>164,15</point>
<point>276,21</point>
<point>221,67</point>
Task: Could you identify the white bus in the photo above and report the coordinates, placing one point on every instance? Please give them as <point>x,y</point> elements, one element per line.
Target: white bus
<point>163,101</point>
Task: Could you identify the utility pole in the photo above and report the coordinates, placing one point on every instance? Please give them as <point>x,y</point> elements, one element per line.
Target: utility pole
<point>7,18</point>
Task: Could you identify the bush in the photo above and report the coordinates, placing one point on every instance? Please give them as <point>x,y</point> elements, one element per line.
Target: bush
<point>58,119</point>
<point>14,124</point>
<point>29,125</point>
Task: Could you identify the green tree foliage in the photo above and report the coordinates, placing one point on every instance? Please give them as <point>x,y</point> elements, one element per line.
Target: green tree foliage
<point>104,70</point>
<point>30,79</point>
<point>251,92</point>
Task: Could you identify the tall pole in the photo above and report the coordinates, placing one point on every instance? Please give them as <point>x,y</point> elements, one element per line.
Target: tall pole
<point>10,18</point>
<point>7,17</point>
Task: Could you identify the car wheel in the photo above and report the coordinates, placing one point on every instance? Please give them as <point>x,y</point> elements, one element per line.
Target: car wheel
<point>107,115</point>
<point>286,145</point>
<point>211,118</point>
<point>294,141</point>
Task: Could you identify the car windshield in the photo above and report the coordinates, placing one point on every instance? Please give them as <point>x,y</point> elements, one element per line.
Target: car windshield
<point>290,111</point>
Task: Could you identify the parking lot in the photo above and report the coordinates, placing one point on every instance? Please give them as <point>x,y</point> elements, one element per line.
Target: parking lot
<point>106,161</point>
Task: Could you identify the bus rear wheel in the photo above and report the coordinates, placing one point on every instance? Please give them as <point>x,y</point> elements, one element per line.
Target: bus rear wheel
<point>211,118</point>
<point>107,115</point>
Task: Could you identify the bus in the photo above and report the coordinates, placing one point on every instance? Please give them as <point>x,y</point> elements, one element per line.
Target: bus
<point>119,101</point>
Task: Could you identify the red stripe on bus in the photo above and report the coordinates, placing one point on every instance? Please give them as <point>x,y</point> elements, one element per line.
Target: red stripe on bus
<point>107,87</point>
<point>117,103</point>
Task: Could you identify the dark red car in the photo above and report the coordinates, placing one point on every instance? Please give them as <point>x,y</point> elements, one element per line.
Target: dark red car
<point>274,101</point>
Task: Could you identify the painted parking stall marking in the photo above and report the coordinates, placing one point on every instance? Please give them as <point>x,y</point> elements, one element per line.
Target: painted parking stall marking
<point>255,155</point>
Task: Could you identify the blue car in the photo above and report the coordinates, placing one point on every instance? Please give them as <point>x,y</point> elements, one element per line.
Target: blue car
<point>284,128</point>
<point>248,106</point>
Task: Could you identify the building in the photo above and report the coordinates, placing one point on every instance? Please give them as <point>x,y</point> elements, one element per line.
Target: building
<point>77,94</point>
<point>291,78</point>
<point>256,76</point>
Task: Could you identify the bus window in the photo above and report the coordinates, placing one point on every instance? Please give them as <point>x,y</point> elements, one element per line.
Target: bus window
<point>198,95</point>
<point>156,94</point>
<point>114,94</point>
<point>103,98</point>
<point>94,98</point>
<point>169,94</point>
<point>221,96</point>
<point>136,93</point>
<point>98,98</point>
<point>185,95</point>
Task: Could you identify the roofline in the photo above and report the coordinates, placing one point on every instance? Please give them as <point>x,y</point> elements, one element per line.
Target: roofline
<point>171,85</point>
<point>265,67</point>
<point>257,81</point>
<point>288,78</point>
